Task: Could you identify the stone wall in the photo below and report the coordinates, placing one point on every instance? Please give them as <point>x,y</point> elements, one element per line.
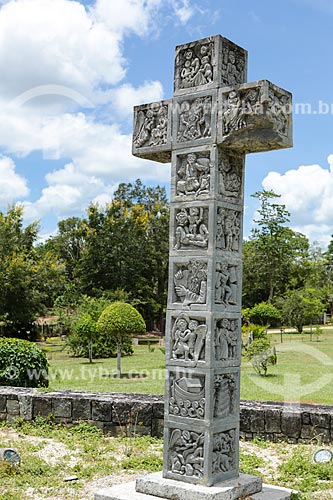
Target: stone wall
<point>124,414</point>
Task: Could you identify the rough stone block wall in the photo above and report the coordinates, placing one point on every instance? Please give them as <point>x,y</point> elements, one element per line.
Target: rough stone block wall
<point>120,414</point>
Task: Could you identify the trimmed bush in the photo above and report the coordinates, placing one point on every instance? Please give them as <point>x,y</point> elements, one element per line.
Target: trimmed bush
<point>22,364</point>
<point>119,322</point>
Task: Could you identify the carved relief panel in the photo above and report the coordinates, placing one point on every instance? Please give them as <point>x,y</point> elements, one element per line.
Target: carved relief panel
<point>224,452</point>
<point>226,340</point>
<point>193,174</point>
<point>234,62</point>
<point>227,282</point>
<point>193,119</point>
<point>188,339</point>
<point>225,395</point>
<point>186,453</point>
<point>228,230</point>
<point>194,65</point>
<point>190,283</point>
<point>152,131</point>
<point>249,110</point>
<point>191,228</point>
<point>187,396</point>
<point>231,178</point>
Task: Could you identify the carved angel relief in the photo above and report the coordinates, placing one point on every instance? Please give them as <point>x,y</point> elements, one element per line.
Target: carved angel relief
<point>225,395</point>
<point>190,282</point>
<point>186,453</point>
<point>187,397</point>
<point>195,66</point>
<point>226,284</point>
<point>188,338</point>
<point>228,230</point>
<point>151,126</point>
<point>195,117</point>
<point>193,174</point>
<point>224,452</point>
<point>191,228</point>
<point>226,340</point>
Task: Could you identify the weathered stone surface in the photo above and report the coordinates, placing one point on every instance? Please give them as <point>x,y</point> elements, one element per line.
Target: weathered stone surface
<point>62,407</point>
<point>13,407</point>
<point>121,412</point>
<point>3,403</point>
<point>291,424</point>
<point>273,421</point>
<point>272,493</point>
<point>101,410</point>
<point>156,484</point>
<point>26,411</point>
<point>322,420</point>
<point>81,409</point>
<point>42,406</point>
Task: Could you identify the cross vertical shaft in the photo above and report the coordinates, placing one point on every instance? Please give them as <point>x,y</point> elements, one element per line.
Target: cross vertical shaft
<point>212,122</point>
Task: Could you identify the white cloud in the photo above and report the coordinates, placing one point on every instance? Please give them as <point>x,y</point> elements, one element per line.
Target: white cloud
<point>12,185</point>
<point>183,10</point>
<point>125,97</point>
<point>307,193</point>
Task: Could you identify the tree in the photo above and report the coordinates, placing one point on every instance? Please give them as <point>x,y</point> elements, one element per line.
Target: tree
<point>126,247</point>
<point>120,321</point>
<point>301,307</point>
<point>29,278</point>
<point>275,255</point>
<point>261,355</point>
<point>264,314</point>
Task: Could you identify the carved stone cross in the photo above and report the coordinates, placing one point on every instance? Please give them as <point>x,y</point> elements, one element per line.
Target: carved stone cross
<point>213,121</point>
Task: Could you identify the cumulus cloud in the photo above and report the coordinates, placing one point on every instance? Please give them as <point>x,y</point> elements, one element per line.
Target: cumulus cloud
<point>183,10</point>
<point>12,185</point>
<point>125,97</point>
<point>307,193</point>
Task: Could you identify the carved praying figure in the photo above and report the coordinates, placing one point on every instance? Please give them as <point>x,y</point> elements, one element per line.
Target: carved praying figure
<point>206,130</point>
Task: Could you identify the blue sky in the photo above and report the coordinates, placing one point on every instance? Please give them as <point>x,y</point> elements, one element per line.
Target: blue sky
<point>71,72</point>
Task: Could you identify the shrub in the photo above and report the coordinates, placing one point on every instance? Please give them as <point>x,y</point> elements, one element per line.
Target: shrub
<point>22,364</point>
<point>261,355</point>
<point>264,314</point>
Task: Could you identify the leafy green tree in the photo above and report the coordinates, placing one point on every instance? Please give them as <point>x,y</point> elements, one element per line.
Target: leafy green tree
<point>301,307</point>
<point>120,321</point>
<point>265,314</point>
<point>29,278</point>
<point>275,256</point>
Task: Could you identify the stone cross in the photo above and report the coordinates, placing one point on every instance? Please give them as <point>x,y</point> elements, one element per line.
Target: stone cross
<point>213,121</point>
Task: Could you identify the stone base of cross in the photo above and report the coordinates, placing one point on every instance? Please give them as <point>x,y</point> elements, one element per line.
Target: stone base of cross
<point>205,131</point>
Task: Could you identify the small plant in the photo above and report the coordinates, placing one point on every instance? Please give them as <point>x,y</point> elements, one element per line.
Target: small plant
<point>261,355</point>
<point>22,364</point>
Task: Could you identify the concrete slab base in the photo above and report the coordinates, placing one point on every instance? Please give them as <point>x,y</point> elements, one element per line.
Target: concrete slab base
<point>128,491</point>
<point>156,484</point>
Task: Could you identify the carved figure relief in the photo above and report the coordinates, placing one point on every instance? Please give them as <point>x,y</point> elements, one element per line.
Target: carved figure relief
<point>191,228</point>
<point>225,395</point>
<point>226,283</point>
<point>233,66</point>
<point>195,119</point>
<point>186,453</point>
<point>226,340</point>
<point>188,338</point>
<point>242,109</point>
<point>187,397</point>
<point>224,456</point>
<point>190,283</point>
<point>195,66</point>
<point>230,178</point>
<point>228,230</point>
<point>193,175</point>
<point>151,126</point>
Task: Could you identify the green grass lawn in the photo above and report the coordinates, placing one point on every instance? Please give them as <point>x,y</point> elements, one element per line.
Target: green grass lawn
<point>303,371</point>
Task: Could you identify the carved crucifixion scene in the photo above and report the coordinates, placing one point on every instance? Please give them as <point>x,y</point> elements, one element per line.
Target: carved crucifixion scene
<point>214,119</point>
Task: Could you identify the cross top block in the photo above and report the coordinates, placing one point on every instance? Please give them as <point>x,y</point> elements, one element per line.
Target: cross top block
<point>212,104</point>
